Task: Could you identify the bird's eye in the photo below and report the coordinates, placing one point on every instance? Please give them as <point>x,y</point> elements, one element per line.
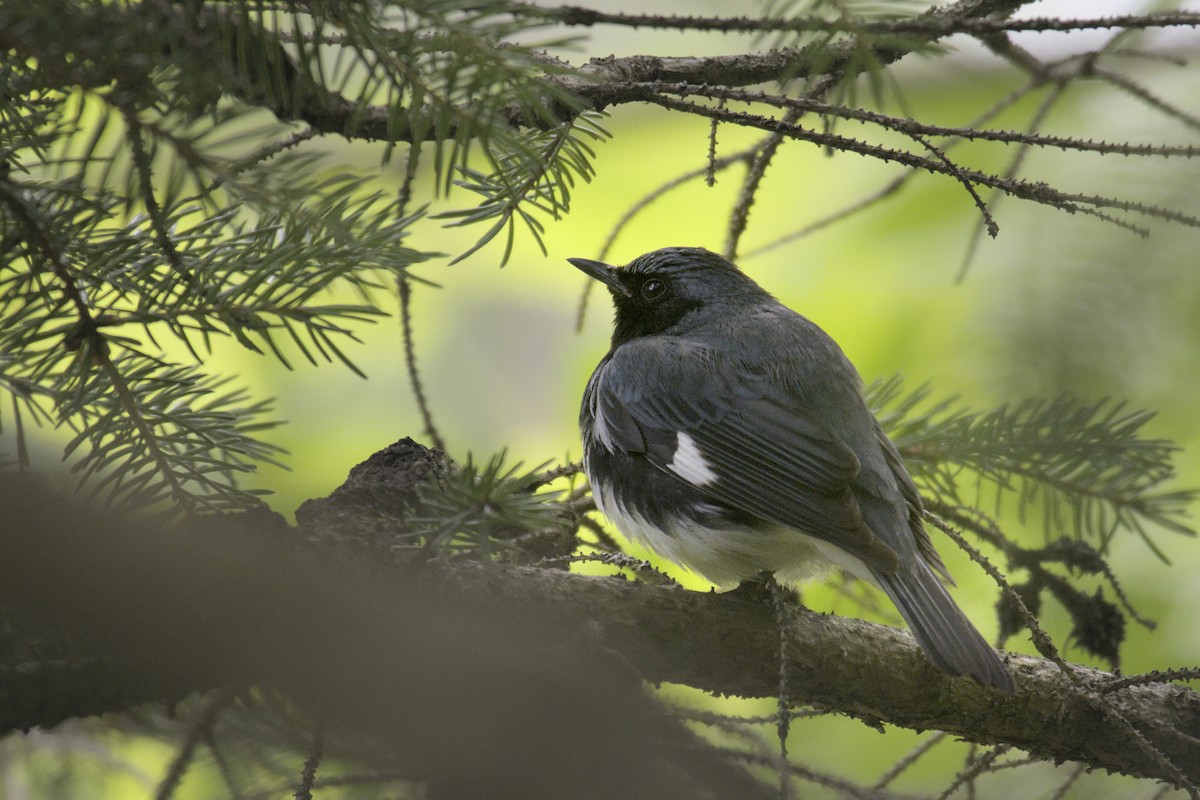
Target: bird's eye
<point>653,289</point>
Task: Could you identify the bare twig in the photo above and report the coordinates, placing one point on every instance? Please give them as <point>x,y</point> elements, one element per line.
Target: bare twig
<point>404,289</point>
<point>976,767</point>
<point>910,758</point>
<point>308,775</point>
<point>1155,676</point>
<point>740,214</point>
<point>895,185</point>
<point>913,128</point>
<point>1014,166</point>
<point>199,731</point>
<point>1037,192</point>
<point>927,24</point>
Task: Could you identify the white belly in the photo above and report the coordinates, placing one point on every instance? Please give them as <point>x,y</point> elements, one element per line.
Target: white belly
<point>726,557</point>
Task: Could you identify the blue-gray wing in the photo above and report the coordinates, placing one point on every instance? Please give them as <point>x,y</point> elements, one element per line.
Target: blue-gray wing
<point>745,443</point>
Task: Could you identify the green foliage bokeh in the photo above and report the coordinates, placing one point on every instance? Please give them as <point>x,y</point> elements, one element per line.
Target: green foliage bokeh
<point>1056,303</point>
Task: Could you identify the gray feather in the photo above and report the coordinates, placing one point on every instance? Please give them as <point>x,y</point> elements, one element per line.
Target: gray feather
<point>941,628</point>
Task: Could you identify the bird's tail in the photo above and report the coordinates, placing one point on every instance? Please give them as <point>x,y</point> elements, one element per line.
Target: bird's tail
<point>942,629</point>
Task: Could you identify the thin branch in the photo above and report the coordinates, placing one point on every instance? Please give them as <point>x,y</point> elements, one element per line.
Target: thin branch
<point>744,156</point>
<point>404,288</point>
<point>977,766</point>
<point>913,128</point>
<point>1155,676</point>
<point>264,153</point>
<point>308,775</point>
<point>837,216</point>
<point>1150,99</point>
<point>223,765</point>
<point>1124,600</point>
<point>910,758</point>
<point>1141,741</point>
<point>894,186</point>
<point>566,470</point>
<point>740,214</point>
<point>1065,786</point>
<point>1172,772</point>
<point>839,784</point>
<point>989,223</point>
<point>404,285</point>
<point>710,173</point>
<point>142,165</point>
<point>783,723</point>
<point>1014,166</point>
<point>1037,192</point>
<point>198,731</point>
<point>928,24</point>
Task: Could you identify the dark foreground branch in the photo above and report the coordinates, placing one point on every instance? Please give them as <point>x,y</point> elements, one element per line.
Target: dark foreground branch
<point>418,675</point>
<point>878,674</point>
<point>435,664</point>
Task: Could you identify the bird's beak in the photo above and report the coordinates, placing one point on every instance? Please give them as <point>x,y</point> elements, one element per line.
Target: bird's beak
<point>605,273</point>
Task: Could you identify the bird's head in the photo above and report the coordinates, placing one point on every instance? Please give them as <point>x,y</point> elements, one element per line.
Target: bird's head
<point>668,290</point>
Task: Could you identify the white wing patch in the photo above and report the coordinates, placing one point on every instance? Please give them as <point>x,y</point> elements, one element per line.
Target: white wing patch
<point>688,462</point>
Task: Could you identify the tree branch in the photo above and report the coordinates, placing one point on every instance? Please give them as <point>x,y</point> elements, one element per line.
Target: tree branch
<point>406,671</point>
<point>233,604</point>
<point>727,646</point>
<point>601,83</point>
<point>940,22</point>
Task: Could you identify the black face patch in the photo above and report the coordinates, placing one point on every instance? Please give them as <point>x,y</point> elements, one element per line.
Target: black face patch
<point>653,304</point>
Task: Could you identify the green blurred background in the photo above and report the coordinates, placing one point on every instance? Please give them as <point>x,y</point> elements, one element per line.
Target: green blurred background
<point>1056,303</point>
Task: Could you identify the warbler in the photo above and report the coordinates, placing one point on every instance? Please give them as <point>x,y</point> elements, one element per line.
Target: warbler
<point>730,435</point>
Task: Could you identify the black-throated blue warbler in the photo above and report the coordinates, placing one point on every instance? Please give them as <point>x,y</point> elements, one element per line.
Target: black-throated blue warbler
<point>730,435</point>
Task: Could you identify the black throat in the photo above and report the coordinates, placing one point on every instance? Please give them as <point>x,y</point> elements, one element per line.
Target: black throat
<point>635,319</point>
